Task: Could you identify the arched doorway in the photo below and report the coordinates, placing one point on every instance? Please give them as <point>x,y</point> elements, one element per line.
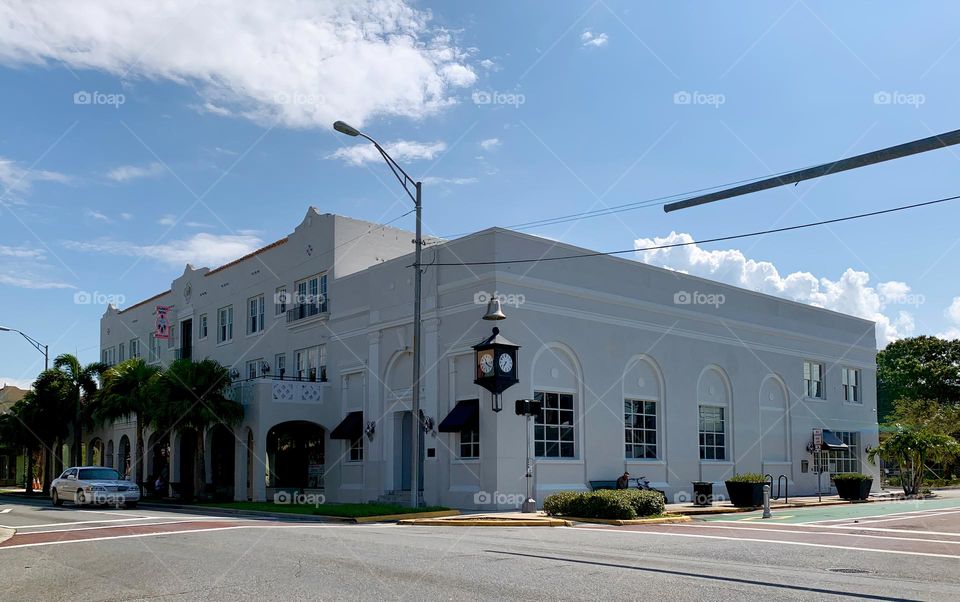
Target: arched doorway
<point>158,463</point>
<point>295,455</point>
<point>186,458</point>
<point>123,457</point>
<point>95,452</point>
<point>222,461</point>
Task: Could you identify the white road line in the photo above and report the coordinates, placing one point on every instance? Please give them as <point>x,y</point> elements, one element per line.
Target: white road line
<point>82,529</point>
<point>896,518</point>
<point>821,533</point>
<point>773,541</point>
<point>6,510</point>
<point>138,535</point>
<point>853,528</point>
<point>80,522</point>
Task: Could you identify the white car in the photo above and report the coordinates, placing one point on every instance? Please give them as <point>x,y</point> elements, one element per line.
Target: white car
<point>94,485</point>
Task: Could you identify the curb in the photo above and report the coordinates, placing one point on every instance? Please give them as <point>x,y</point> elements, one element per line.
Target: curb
<point>301,517</point>
<point>486,522</point>
<point>408,516</point>
<point>6,534</point>
<point>659,520</point>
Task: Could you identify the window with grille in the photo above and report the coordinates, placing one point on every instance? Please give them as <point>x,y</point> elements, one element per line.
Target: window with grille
<point>470,443</point>
<point>553,431</point>
<point>845,460</point>
<point>713,433</point>
<point>356,449</point>
<point>255,314</point>
<point>203,327</point>
<point>225,324</point>
<point>640,429</point>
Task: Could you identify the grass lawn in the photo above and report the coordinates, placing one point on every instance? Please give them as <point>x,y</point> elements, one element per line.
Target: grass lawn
<point>343,510</point>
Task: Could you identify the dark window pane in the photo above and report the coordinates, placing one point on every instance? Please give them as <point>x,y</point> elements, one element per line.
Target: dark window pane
<point>650,422</point>
<point>650,407</point>
<point>651,451</point>
<point>552,450</point>
<point>538,449</point>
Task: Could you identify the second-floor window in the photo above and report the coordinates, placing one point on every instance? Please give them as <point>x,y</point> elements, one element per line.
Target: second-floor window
<point>255,314</point>
<point>280,364</point>
<point>813,380</point>
<point>312,293</point>
<point>280,301</point>
<point>255,368</point>
<point>134,348</point>
<point>120,354</point>
<point>225,324</point>
<point>851,385</point>
<point>202,334</point>
<point>311,363</point>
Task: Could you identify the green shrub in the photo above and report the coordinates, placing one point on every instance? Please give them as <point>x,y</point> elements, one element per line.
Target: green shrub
<point>748,477</point>
<point>851,476</point>
<point>622,504</point>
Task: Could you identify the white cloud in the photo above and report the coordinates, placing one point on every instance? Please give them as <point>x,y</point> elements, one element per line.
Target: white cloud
<point>96,215</point>
<point>488,64</point>
<point>489,144</point>
<point>201,249</point>
<point>587,38</point>
<point>131,172</point>
<point>16,177</point>
<point>850,294</point>
<point>435,181</point>
<point>303,63</point>
<point>22,253</point>
<point>126,216</point>
<point>167,220</point>
<point>21,280</point>
<point>27,267</point>
<point>953,315</point>
<point>401,150</point>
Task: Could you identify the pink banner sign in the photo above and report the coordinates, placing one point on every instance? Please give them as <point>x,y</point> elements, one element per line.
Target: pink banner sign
<point>162,330</point>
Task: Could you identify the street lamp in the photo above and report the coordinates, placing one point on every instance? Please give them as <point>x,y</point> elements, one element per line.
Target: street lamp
<point>404,180</point>
<point>37,344</point>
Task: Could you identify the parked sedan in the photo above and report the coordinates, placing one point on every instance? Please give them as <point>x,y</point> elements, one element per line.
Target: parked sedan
<point>94,485</point>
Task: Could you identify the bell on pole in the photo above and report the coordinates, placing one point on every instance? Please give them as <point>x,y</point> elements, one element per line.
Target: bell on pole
<point>494,311</point>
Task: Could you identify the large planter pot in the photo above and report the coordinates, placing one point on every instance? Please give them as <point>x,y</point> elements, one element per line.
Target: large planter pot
<point>853,489</point>
<point>745,495</point>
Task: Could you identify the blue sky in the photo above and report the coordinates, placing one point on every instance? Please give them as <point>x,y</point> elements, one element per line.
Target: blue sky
<point>137,138</point>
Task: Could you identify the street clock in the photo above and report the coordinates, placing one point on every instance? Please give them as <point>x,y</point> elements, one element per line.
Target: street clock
<point>496,365</point>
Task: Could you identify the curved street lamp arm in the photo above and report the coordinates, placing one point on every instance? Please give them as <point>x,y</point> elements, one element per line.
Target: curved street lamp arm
<point>394,167</point>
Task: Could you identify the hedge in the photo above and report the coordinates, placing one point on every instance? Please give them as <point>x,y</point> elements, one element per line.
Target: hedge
<point>851,476</point>
<point>623,504</point>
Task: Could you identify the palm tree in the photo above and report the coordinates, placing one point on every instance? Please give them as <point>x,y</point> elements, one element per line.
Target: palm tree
<point>194,399</point>
<point>43,417</point>
<point>911,447</point>
<point>83,389</point>
<point>129,388</point>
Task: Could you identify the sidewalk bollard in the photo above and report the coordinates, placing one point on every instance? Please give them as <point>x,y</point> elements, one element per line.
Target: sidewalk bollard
<point>766,501</point>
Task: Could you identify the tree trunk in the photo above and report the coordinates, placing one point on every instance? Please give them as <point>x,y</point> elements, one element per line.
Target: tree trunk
<point>199,468</point>
<point>139,459</point>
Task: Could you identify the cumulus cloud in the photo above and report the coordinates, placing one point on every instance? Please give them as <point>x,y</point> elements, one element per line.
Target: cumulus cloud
<point>851,293</point>
<point>167,220</point>
<point>132,172</point>
<point>952,314</point>
<point>17,177</point>
<point>201,249</point>
<point>489,144</point>
<point>588,38</point>
<point>302,63</point>
<point>401,150</point>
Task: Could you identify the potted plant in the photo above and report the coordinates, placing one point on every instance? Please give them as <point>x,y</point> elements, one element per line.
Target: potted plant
<point>853,485</point>
<point>746,490</point>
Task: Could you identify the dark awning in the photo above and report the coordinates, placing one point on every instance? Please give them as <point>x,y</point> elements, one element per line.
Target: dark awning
<point>465,416</point>
<point>350,427</point>
<point>831,442</point>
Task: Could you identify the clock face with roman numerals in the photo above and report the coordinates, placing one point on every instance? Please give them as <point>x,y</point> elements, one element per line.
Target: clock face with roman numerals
<point>506,363</point>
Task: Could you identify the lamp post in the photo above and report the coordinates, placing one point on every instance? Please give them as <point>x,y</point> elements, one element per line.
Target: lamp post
<point>45,350</point>
<point>404,179</point>
<point>37,344</point>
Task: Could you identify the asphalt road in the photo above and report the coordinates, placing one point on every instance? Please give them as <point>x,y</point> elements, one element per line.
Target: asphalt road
<point>104,554</point>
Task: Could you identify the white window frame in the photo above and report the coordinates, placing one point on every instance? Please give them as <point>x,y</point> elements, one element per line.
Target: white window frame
<point>702,434</point>
<point>255,314</point>
<point>134,348</point>
<point>120,352</point>
<point>469,441</point>
<point>281,300</point>
<point>225,328</point>
<point>809,382</point>
<point>203,328</point>
<point>646,433</point>
<point>254,368</point>
<point>563,419</point>
<point>280,364</point>
<point>311,359</point>
<point>313,291</point>
<point>355,453</point>
<point>852,385</point>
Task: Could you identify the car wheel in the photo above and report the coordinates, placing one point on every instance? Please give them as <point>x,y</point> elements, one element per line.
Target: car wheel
<point>130,505</point>
<point>55,498</point>
<point>80,499</point>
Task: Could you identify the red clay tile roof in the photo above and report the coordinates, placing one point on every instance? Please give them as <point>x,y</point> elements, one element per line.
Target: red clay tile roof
<point>157,296</point>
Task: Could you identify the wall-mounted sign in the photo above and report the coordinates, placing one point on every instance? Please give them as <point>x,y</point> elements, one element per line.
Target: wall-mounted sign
<point>162,330</point>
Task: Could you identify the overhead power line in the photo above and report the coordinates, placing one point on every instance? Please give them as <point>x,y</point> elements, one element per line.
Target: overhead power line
<point>707,240</point>
<point>877,156</point>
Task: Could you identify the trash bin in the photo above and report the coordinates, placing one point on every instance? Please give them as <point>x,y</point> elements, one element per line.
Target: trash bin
<point>702,493</point>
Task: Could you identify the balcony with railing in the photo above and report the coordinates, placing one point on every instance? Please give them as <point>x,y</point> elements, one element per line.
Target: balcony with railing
<point>303,311</point>
<point>271,389</point>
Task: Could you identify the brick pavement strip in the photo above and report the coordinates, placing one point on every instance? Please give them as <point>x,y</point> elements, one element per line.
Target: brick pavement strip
<point>120,530</point>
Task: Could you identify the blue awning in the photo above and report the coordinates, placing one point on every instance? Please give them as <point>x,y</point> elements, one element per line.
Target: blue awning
<point>350,427</point>
<point>465,416</point>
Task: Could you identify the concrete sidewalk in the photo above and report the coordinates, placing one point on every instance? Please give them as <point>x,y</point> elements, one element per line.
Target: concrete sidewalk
<point>723,507</point>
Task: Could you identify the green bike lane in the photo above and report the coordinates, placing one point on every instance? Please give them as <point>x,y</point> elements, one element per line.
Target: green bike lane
<point>839,513</point>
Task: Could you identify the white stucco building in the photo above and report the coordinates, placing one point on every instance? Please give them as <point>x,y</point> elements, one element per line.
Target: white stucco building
<point>666,375</point>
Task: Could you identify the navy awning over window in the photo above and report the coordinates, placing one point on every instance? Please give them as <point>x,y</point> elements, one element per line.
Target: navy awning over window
<point>350,427</point>
<point>832,442</point>
<point>465,416</point>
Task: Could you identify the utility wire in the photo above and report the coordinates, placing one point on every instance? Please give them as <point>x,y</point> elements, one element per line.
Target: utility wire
<point>708,240</point>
